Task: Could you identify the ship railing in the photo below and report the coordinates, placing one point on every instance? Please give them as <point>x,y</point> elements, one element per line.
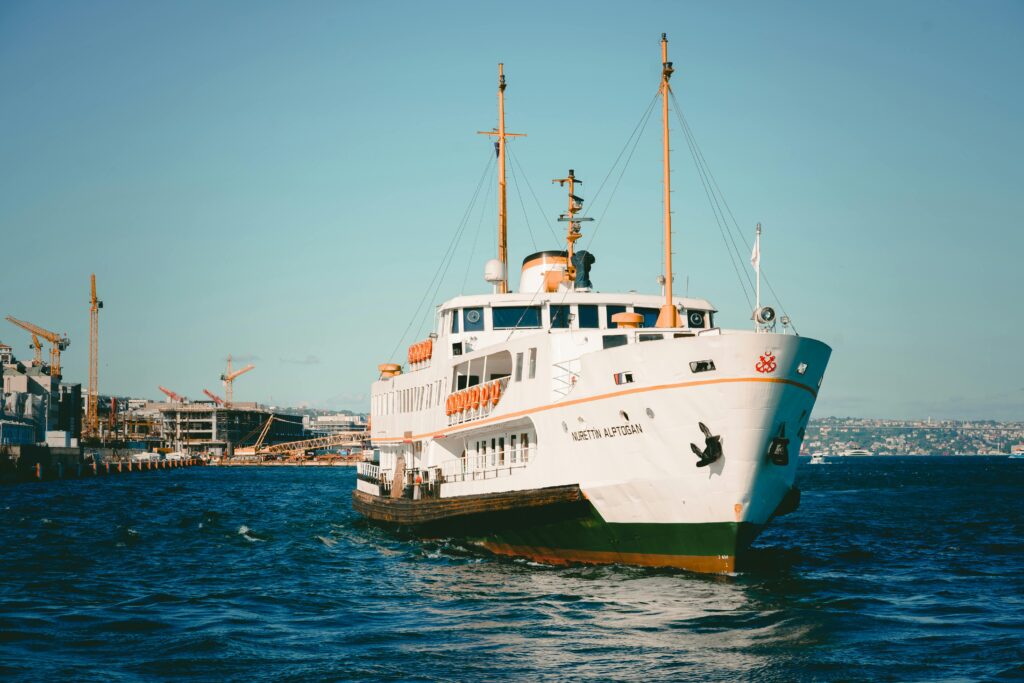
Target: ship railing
<point>564,377</point>
<point>485,408</point>
<point>477,466</point>
<point>480,475</point>
<point>368,472</point>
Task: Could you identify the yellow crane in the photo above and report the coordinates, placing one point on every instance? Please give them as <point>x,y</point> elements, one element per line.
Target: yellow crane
<point>58,342</point>
<point>92,405</point>
<point>37,348</point>
<point>229,381</point>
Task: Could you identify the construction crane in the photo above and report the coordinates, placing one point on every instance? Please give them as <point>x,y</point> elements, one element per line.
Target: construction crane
<point>229,381</point>
<point>58,342</point>
<point>92,404</point>
<point>37,348</point>
<point>214,397</point>
<point>175,398</point>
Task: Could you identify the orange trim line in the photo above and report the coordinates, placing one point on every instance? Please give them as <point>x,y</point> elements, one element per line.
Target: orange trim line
<point>589,399</point>
<point>708,564</point>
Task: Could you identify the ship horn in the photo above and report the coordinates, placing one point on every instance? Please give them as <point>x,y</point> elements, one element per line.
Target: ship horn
<point>712,447</point>
<point>778,451</point>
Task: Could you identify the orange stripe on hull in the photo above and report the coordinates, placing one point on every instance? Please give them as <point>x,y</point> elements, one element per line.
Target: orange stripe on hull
<point>707,564</point>
<point>600,397</point>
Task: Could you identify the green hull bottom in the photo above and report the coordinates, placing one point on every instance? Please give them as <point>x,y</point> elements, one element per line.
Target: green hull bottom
<point>577,534</point>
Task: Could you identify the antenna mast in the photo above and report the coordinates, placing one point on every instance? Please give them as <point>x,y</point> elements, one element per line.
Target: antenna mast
<point>668,317</point>
<point>575,206</point>
<point>92,404</point>
<point>502,202</point>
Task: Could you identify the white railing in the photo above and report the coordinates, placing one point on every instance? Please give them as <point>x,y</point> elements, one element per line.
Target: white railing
<point>486,407</point>
<point>479,466</point>
<point>368,471</point>
<point>564,376</point>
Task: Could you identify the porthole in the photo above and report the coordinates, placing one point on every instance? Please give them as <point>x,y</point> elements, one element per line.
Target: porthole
<point>650,413</point>
<point>624,415</point>
<point>565,427</point>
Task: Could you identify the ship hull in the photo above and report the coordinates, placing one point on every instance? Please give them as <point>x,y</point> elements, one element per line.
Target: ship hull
<point>559,525</point>
<point>644,497</point>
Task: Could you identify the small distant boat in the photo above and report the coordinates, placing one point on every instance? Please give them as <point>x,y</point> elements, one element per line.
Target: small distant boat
<point>818,459</point>
<point>1017,456</point>
<point>858,451</point>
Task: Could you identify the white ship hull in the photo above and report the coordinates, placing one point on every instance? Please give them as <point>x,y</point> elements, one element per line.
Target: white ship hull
<point>627,449</point>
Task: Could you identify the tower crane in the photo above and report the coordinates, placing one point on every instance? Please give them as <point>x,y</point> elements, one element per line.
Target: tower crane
<point>229,381</point>
<point>58,342</point>
<point>92,405</point>
<point>214,397</point>
<point>37,348</point>
<point>175,398</point>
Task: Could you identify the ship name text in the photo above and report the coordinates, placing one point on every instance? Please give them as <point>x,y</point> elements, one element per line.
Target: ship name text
<point>627,429</point>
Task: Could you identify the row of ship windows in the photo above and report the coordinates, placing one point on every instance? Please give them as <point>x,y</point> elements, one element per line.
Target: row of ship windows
<point>494,452</point>
<point>557,316</point>
<point>409,400</point>
<point>430,395</point>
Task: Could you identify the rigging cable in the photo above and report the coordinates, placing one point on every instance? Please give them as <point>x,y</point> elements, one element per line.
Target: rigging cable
<point>447,258</point>
<point>484,205</point>
<point>519,194</point>
<point>716,209</point>
<point>743,239</point>
<point>526,179</point>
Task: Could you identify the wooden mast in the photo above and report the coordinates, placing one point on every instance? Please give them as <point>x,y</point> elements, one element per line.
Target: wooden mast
<point>502,202</point>
<point>668,316</point>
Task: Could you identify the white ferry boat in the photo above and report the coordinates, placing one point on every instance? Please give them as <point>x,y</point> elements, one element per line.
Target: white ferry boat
<point>562,424</point>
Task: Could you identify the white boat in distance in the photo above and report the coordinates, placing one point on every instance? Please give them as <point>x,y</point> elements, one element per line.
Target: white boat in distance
<point>563,424</point>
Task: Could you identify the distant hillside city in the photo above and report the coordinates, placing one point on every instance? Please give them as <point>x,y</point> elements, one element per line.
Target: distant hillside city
<point>841,435</point>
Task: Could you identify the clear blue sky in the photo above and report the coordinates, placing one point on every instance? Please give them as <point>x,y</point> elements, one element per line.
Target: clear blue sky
<point>279,180</point>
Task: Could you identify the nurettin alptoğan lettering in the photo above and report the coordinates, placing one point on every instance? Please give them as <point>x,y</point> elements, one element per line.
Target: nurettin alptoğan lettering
<point>607,432</point>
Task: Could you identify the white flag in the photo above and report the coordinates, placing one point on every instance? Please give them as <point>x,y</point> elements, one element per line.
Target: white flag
<point>755,256</point>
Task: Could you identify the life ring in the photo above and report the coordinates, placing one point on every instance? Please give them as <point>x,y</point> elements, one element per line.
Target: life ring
<point>474,397</point>
<point>389,367</point>
<point>428,350</point>
<point>449,405</point>
<point>460,404</point>
<point>495,393</point>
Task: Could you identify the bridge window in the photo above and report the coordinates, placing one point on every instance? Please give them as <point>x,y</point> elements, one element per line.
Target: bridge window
<point>455,321</point>
<point>474,319</point>
<point>516,317</point>
<point>695,318</point>
<point>560,316</point>
<point>533,362</point>
<point>650,316</point>
<point>609,312</point>
<point>589,318</point>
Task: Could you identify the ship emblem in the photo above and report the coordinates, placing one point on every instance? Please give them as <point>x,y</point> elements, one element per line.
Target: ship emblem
<point>767,363</point>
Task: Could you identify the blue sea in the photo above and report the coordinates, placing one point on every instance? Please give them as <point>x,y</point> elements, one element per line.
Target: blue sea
<point>892,569</point>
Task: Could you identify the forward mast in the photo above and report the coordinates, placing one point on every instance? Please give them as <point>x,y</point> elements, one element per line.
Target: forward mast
<point>502,202</point>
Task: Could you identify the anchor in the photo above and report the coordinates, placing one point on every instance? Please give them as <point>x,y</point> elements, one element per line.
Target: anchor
<point>712,447</point>
<point>778,450</point>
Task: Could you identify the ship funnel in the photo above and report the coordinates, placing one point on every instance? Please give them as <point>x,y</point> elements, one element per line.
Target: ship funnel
<point>543,271</point>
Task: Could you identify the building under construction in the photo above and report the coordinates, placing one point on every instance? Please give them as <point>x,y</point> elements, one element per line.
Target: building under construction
<point>208,428</point>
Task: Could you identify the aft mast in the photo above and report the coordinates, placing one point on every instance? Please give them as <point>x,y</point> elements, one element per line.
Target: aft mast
<point>502,203</point>
<point>668,316</point>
